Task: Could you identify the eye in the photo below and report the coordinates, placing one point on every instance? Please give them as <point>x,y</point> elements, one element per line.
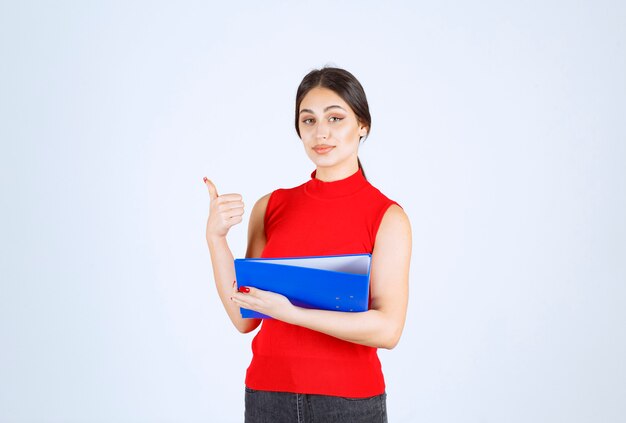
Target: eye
<point>307,121</point>
<point>335,119</point>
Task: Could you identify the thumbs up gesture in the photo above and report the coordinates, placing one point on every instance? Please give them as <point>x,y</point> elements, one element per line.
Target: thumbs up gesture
<point>225,210</point>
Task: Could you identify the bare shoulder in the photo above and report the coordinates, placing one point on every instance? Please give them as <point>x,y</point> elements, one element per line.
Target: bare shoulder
<point>262,202</point>
<point>258,211</point>
<point>395,218</point>
<point>394,232</point>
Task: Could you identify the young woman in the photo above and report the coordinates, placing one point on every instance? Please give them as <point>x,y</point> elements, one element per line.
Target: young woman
<point>318,365</point>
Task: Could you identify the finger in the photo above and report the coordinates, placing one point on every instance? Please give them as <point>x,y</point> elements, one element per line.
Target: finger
<point>228,205</point>
<point>212,189</point>
<point>231,197</point>
<point>243,300</point>
<point>228,214</point>
<point>252,291</point>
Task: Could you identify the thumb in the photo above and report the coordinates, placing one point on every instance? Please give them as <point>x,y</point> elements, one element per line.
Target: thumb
<point>212,190</point>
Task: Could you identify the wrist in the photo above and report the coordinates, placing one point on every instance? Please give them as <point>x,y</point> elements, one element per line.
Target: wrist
<point>296,315</point>
<point>213,240</point>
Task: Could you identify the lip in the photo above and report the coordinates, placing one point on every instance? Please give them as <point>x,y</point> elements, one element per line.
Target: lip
<point>322,149</point>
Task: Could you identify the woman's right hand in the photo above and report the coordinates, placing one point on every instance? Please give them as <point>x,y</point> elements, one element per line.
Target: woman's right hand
<point>225,211</point>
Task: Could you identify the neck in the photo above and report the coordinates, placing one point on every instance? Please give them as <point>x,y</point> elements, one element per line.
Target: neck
<point>335,173</point>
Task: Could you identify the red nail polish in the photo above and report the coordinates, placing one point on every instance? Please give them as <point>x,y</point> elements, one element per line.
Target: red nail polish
<point>244,289</point>
<point>204,179</point>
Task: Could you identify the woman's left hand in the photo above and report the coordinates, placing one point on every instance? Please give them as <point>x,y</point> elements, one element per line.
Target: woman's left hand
<point>266,302</point>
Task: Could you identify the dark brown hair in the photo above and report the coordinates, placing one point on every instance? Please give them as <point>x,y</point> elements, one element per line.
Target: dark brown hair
<point>346,86</point>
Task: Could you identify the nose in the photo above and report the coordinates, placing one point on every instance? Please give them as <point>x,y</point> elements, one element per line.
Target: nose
<point>322,130</point>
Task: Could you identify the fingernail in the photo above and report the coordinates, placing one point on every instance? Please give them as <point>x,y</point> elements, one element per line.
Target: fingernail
<point>244,289</point>
<point>204,179</point>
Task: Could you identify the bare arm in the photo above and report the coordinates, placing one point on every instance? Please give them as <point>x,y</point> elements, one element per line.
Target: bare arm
<point>226,211</point>
<point>382,325</point>
<point>256,228</point>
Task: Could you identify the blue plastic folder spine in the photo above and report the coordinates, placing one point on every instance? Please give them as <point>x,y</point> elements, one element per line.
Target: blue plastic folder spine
<point>304,286</point>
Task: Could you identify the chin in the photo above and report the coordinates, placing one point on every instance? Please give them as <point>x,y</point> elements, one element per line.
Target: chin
<point>321,162</point>
<point>328,161</point>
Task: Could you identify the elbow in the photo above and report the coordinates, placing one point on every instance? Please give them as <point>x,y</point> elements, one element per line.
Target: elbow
<point>388,332</point>
<point>390,344</point>
<point>247,325</point>
<point>391,340</point>
<point>243,329</point>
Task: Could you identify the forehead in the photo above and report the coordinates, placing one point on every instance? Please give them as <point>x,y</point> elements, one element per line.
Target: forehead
<point>319,98</point>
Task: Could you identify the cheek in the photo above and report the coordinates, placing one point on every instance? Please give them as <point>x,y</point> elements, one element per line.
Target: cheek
<point>348,133</point>
<point>304,129</point>
<point>304,138</point>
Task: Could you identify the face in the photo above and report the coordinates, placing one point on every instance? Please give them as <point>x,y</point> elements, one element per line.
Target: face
<point>329,129</point>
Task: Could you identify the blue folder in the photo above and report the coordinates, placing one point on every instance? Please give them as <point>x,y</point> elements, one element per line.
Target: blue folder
<point>339,283</point>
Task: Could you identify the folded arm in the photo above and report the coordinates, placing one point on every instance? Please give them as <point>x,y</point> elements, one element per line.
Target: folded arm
<point>380,326</point>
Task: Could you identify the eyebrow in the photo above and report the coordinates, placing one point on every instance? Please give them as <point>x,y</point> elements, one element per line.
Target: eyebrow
<point>334,106</point>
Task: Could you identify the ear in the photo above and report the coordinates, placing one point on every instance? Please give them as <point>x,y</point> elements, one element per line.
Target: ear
<point>363,130</point>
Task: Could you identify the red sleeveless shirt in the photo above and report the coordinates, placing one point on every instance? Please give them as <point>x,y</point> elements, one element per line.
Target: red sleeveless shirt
<point>313,219</point>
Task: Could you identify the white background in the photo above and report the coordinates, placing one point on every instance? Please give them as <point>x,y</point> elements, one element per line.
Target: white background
<point>500,127</point>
